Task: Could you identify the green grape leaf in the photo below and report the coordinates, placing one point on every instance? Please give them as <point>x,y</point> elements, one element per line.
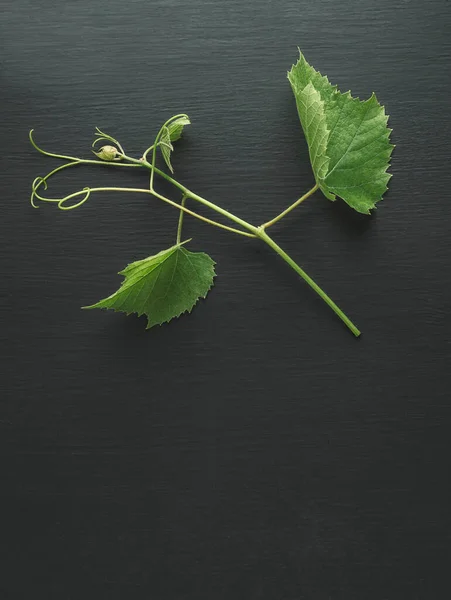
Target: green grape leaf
<point>348,139</point>
<point>176,126</point>
<point>313,121</point>
<point>166,147</point>
<point>162,286</point>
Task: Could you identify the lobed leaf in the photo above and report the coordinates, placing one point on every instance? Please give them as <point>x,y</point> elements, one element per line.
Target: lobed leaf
<point>348,139</point>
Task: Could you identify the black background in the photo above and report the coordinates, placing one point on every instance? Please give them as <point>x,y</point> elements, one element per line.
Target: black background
<point>253,449</point>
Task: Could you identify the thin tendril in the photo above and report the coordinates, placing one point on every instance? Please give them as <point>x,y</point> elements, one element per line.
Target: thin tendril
<point>135,163</point>
<point>30,135</point>
<point>61,202</point>
<point>108,138</point>
<point>88,191</point>
<point>74,161</point>
<point>38,181</point>
<point>43,181</point>
<point>100,139</point>
<point>76,158</point>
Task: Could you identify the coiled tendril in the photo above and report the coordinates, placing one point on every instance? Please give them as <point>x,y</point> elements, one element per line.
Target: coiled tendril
<point>73,161</point>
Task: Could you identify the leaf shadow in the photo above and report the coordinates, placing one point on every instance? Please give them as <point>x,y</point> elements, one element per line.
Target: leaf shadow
<point>145,349</point>
<point>351,223</point>
<point>129,339</point>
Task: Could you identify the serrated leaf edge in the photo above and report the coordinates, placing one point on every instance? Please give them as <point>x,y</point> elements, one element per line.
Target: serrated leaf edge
<point>177,316</point>
<point>330,195</point>
<point>189,310</point>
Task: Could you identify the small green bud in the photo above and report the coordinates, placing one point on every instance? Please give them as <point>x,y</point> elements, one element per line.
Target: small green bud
<point>107,153</point>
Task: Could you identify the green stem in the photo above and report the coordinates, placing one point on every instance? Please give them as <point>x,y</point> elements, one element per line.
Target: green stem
<point>265,237</point>
<point>180,224</point>
<point>290,208</point>
<point>221,211</point>
<point>61,201</point>
<point>189,194</point>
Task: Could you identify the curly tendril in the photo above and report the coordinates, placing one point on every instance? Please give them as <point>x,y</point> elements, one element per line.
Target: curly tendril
<point>43,181</point>
<point>60,202</point>
<point>87,191</point>
<point>73,161</point>
<point>130,162</point>
<point>33,143</point>
<point>105,137</point>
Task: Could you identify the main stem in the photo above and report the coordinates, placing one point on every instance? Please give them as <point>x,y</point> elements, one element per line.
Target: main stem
<point>346,320</point>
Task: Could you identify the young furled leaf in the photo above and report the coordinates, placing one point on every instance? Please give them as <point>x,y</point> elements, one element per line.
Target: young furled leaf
<point>348,139</point>
<point>162,286</point>
<point>176,126</point>
<point>171,133</point>
<point>166,147</point>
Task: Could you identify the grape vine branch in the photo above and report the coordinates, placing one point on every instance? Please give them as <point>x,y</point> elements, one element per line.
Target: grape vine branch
<point>349,148</point>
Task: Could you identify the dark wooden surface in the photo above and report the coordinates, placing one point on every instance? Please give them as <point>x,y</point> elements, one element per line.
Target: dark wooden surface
<point>252,450</point>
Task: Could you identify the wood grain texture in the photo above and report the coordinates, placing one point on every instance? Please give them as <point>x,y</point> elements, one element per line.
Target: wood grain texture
<point>252,450</point>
